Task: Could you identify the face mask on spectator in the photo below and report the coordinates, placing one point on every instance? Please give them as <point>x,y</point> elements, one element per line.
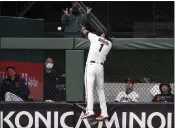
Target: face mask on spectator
<point>49,65</point>
<point>11,73</point>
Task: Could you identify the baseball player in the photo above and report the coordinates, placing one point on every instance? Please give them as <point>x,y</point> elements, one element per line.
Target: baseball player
<point>94,72</point>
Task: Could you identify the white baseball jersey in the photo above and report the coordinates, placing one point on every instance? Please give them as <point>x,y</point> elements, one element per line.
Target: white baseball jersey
<point>99,48</point>
<point>131,97</point>
<point>94,72</point>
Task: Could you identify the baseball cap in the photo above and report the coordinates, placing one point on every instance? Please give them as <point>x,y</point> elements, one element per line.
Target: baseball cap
<point>108,36</point>
<point>10,67</point>
<point>129,80</point>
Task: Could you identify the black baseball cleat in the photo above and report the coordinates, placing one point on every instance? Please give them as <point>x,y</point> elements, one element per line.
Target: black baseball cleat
<point>100,118</point>
<point>87,115</point>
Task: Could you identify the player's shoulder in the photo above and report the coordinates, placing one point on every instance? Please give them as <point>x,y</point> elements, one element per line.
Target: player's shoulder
<point>110,43</point>
<point>92,35</point>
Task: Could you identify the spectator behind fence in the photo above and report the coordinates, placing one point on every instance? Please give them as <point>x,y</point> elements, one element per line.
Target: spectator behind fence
<point>13,87</point>
<point>54,82</point>
<point>129,95</point>
<point>165,95</point>
<point>73,19</point>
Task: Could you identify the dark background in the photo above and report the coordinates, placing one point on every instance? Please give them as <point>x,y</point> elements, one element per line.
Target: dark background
<point>118,16</point>
<point>138,64</point>
<point>108,12</point>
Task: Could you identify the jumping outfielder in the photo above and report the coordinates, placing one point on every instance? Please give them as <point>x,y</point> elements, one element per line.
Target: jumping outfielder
<point>94,72</point>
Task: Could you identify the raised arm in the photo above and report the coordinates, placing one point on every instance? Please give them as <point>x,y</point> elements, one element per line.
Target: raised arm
<point>65,17</point>
<point>89,35</point>
<point>84,31</point>
<point>86,17</point>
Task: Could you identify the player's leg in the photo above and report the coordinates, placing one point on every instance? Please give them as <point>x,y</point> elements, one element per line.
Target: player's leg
<point>101,94</point>
<point>85,83</point>
<point>89,84</point>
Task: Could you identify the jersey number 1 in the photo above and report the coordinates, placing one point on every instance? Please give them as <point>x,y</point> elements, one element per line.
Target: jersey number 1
<point>101,47</point>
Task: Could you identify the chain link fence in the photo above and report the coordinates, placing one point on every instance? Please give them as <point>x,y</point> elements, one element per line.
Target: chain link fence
<point>148,68</point>
<point>55,82</point>
<point>157,65</point>
<point>145,91</point>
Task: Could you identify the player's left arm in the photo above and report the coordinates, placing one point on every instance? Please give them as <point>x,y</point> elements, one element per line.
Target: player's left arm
<point>84,31</point>
<point>88,34</point>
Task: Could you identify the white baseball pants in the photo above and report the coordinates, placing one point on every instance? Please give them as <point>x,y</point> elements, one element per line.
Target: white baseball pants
<point>94,75</point>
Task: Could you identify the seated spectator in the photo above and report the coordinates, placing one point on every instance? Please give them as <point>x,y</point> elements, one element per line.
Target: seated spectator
<point>129,95</point>
<point>165,95</point>
<point>13,88</point>
<point>54,82</point>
